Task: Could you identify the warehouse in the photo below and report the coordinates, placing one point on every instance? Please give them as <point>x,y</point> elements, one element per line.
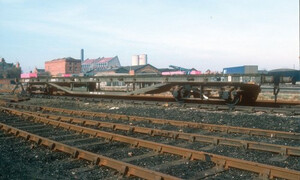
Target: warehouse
<point>246,69</point>
<point>58,67</point>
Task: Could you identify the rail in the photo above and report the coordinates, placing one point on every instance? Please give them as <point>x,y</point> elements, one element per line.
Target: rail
<point>205,126</point>
<point>125,169</point>
<point>281,149</point>
<point>222,161</point>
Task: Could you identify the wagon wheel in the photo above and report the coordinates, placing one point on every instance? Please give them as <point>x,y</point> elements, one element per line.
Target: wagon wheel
<point>176,93</point>
<point>179,92</point>
<point>185,93</point>
<point>234,99</point>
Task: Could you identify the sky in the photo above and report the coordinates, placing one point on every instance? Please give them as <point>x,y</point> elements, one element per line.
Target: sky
<point>201,34</point>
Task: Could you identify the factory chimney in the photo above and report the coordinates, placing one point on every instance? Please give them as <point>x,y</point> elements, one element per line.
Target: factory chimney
<point>82,55</point>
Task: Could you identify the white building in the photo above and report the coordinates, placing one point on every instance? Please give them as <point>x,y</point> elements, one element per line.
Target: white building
<point>100,64</point>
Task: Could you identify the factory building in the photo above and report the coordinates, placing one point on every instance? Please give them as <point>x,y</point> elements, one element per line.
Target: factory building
<point>247,69</point>
<point>140,69</point>
<point>63,66</point>
<point>132,70</point>
<point>100,64</point>
<point>138,60</point>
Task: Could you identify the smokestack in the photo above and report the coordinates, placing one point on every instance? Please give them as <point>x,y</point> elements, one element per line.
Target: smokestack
<point>82,55</point>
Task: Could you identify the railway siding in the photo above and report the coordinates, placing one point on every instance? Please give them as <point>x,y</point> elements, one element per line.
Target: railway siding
<point>124,168</point>
<point>263,170</point>
<point>281,149</point>
<point>206,126</point>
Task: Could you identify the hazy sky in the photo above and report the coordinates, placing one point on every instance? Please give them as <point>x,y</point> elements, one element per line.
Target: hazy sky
<point>204,34</point>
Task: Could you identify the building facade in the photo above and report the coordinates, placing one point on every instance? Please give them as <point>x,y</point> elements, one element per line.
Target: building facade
<point>58,67</point>
<point>9,70</point>
<point>100,64</point>
<point>247,69</point>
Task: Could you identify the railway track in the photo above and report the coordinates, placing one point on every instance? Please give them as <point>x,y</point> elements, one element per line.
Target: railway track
<point>191,137</point>
<point>175,157</point>
<point>195,125</point>
<point>288,108</point>
<point>97,159</point>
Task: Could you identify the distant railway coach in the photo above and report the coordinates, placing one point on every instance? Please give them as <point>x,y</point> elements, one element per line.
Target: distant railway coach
<point>292,73</point>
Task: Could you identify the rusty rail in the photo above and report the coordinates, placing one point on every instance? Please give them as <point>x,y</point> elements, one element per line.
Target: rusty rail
<point>125,169</point>
<point>205,126</point>
<point>223,161</point>
<point>281,149</point>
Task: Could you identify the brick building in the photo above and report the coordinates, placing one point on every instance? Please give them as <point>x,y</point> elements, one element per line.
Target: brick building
<point>63,66</point>
<point>100,64</point>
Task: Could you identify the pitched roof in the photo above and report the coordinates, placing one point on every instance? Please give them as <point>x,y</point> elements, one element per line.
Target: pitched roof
<point>40,70</point>
<point>98,60</point>
<point>63,59</point>
<point>88,61</point>
<point>167,70</point>
<point>133,67</point>
<point>104,60</point>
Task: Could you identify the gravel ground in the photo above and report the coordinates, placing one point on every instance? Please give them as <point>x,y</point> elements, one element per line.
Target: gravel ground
<point>256,120</point>
<point>20,160</point>
<point>287,122</point>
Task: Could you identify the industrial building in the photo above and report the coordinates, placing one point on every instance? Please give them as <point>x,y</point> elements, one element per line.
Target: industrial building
<point>100,64</point>
<point>247,69</point>
<point>35,73</point>
<point>176,70</point>
<point>139,60</point>
<point>63,66</point>
<point>140,69</point>
<point>132,70</point>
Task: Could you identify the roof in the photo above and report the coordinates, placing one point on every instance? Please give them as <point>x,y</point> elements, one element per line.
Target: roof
<point>107,70</point>
<point>63,59</point>
<point>88,61</point>
<point>98,60</point>
<point>282,70</point>
<point>40,70</point>
<point>135,68</point>
<point>128,68</point>
<point>244,66</point>
<point>104,60</point>
<point>167,70</point>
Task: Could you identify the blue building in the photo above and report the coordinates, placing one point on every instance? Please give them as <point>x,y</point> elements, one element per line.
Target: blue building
<point>247,69</point>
